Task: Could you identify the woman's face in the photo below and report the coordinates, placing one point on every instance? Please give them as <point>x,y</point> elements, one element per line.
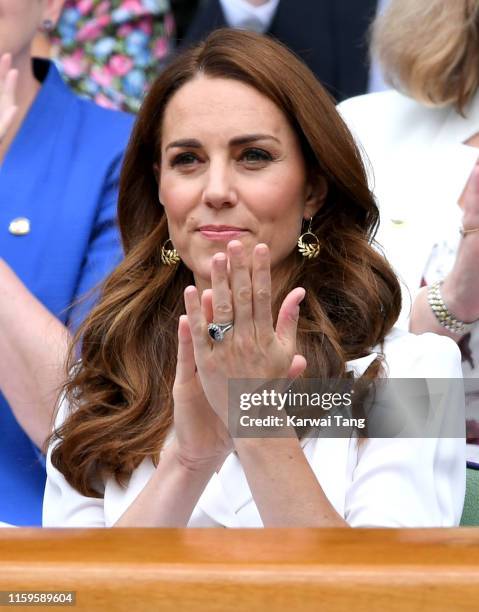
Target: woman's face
<point>231,168</point>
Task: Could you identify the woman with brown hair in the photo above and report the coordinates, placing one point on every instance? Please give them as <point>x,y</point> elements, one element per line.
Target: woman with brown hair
<point>236,146</point>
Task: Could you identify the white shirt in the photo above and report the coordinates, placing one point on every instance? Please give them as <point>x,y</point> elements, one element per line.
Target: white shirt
<point>386,482</point>
<point>242,14</point>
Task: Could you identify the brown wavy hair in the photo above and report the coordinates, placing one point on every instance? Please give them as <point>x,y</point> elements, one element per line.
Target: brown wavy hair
<point>120,394</point>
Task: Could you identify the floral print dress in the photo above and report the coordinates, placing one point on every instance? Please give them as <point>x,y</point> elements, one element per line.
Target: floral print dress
<point>111,50</point>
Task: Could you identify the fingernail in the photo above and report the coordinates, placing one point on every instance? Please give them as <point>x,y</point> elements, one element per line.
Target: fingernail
<point>235,246</point>
<point>295,313</point>
<point>301,296</point>
<point>219,258</point>
<point>180,322</point>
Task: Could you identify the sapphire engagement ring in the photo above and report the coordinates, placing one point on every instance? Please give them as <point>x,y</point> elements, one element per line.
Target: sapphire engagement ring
<point>216,331</point>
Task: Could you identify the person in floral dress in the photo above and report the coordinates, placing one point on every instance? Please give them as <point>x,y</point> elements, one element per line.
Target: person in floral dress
<point>110,50</point>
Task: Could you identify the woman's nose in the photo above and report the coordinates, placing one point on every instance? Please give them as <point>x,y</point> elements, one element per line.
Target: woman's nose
<point>219,189</point>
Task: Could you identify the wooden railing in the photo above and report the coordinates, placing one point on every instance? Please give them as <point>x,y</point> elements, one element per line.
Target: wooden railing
<point>141,570</point>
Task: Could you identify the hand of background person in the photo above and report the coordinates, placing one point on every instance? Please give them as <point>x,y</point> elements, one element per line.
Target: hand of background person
<point>461,287</point>
<point>8,82</point>
<point>254,348</point>
<point>470,201</point>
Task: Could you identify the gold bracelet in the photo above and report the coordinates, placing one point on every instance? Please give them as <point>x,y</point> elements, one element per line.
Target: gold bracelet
<point>463,231</point>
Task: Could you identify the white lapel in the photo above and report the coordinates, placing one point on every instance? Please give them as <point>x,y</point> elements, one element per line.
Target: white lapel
<point>226,493</point>
<point>118,499</point>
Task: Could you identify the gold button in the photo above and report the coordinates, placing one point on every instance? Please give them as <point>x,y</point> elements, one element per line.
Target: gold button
<point>19,226</point>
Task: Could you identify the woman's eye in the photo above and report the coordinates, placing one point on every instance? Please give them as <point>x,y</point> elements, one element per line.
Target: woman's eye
<point>256,156</point>
<point>184,159</point>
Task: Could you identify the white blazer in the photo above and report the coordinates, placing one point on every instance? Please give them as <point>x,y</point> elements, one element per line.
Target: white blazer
<point>386,482</point>
<point>418,167</point>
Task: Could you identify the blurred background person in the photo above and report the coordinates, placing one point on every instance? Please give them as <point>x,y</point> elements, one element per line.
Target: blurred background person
<point>183,13</point>
<point>60,159</point>
<point>110,50</point>
<point>422,140</point>
<point>329,35</point>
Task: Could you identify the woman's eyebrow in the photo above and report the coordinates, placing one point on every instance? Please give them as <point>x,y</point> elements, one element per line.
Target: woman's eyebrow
<point>192,143</point>
<point>247,138</point>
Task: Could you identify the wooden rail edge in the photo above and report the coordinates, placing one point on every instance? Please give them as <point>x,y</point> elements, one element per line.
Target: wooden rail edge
<point>212,570</point>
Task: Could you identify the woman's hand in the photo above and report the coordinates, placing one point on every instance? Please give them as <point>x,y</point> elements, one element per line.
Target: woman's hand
<point>470,200</point>
<point>202,440</point>
<point>253,349</point>
<point>8,82</point>
<point>461,287</point>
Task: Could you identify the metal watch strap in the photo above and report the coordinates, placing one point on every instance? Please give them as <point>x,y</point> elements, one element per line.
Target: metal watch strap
<point>442,313</point>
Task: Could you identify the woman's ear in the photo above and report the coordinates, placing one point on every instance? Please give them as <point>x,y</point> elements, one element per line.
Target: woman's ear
<point>53,9</point>
<point>315,196</point>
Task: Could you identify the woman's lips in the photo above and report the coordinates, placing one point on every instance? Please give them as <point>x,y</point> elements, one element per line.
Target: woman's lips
<point>221,234</point>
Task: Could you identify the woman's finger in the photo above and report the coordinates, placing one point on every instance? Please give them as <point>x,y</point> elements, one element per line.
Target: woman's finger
<point>196,321</point>
<point>298,366</point>
<point>207,305</point>
<point>5,64</point>
<point>288,316</point>
<point>9,84</point>
<point>6,119</point>
<point>221,292</point>
<point>241,289</point>
<point>470,200</point>
<point>8,81</point>
<point>262,315</point>
<point>185,365</point>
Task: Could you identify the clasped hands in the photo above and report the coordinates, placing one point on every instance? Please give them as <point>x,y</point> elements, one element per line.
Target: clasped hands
<point>253,348</point>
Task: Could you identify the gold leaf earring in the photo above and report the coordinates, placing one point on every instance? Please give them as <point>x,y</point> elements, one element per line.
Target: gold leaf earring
<point>309,249</point>
<point>169,257</point>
